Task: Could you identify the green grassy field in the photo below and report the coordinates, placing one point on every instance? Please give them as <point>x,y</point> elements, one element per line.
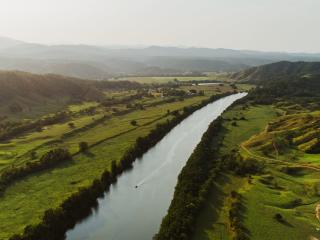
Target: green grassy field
<point>265,200</point>
<point>255,120</point>
<point>213,220</point>
<point>149,80</point>
<point>25,201</point>
<point>294,195</point>
<point>157,79</point>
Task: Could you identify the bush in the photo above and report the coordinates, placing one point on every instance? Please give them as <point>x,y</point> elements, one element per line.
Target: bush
<point>48,160</point>
<point>278,217</point>
<point>83,146</point>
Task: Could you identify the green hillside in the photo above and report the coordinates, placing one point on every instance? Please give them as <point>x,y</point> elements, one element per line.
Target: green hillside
<point>277,70</point>
<point>23,93</point>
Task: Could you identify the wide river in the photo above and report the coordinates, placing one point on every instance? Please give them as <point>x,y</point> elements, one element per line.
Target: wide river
<point>129,213</point>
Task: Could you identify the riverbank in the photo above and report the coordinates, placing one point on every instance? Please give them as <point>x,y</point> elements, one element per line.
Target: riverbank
<point>49,188</point>
<point>263,176</point>
<point>187,111</point>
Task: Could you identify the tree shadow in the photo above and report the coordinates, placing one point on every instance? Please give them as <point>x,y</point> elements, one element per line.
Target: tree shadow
<point>210,212</point>
<point>89,154</point>
<point>243,216</point>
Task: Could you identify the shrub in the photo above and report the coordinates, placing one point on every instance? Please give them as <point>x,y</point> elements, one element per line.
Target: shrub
<point>278,217</point>
<point>83,146</point>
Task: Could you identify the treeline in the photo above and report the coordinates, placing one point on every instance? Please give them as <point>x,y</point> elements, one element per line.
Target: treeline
<point>86,127</point>
<point>124,100</point>
<point>56,222</point>
<point>193,186</point>
<point>236,215</point>
<point>12,129</point>
<point>118,85</point>
<point>289,87</point>
<point>196,179</point>
<point>48,160</point>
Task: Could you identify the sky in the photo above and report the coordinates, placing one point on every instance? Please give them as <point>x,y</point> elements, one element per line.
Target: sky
<point>268,25</point>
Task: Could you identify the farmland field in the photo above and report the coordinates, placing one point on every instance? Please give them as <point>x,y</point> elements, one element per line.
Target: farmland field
<point>108,134</point>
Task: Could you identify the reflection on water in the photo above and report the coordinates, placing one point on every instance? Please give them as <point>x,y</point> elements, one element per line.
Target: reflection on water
<point>133,207</point>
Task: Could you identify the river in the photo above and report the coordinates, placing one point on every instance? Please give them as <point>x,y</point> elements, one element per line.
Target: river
<point>133,208</point>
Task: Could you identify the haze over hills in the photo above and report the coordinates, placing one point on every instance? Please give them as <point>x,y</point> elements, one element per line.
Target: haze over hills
<point>100,62</point>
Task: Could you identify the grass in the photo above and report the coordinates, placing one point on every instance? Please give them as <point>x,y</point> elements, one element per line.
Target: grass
<point>294,195</point>
<point>155,79</point>
<point>244,87</point>
<point>263,203</point>
<point>16,149</point>
<point>209,89</point>
<point>277,197</point>
<point>212,222</point>
<point>256,118</point>
<point>25,201</point>
<point>78,107</point>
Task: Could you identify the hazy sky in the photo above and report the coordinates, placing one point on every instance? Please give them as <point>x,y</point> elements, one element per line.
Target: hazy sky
<point>278,25</point>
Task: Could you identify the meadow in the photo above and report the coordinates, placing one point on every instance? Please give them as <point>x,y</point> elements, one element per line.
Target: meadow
<point>108,134</point>
<point>165,79</point>
<point>212,222</point>
<point>283,197</point>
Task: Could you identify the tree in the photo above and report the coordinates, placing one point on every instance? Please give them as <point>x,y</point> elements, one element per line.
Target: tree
<point>278,217</point>
<point>114,167</point>
<point>33,155</point>
<point>83,146</point>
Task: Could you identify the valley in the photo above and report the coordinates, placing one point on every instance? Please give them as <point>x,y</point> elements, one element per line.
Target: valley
<point>109,127</point>
<point>159,120</point>
<point>265,180</point>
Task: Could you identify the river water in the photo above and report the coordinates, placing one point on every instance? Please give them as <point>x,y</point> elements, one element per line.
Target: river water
<point>133,207</point>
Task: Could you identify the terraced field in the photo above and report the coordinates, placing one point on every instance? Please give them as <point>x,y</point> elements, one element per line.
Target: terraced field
<point>285,195</point>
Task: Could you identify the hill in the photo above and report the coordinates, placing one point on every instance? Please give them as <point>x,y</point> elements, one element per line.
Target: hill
<point>21,91</point>
<point>297,131</point>
<point>8,42</point>
<point>277,70</point>
<point>99,62</point>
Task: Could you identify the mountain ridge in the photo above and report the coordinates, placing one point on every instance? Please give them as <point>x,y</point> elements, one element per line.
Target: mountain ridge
<point>102,62</point>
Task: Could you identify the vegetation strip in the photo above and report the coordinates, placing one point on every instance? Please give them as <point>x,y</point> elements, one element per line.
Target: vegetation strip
<point>48,160</point>
<point>197,178</point>
<point>193,186</point>
<point>56,222</point>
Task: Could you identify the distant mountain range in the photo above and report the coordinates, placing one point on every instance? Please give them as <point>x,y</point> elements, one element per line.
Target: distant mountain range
<point>100,62</point>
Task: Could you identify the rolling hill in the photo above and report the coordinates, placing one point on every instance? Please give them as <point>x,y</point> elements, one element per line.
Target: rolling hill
<point>22,92</point>
<point>101,62</point>
<point>277,70</point>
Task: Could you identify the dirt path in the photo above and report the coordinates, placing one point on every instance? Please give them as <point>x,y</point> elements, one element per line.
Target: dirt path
<point>277,160</point>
